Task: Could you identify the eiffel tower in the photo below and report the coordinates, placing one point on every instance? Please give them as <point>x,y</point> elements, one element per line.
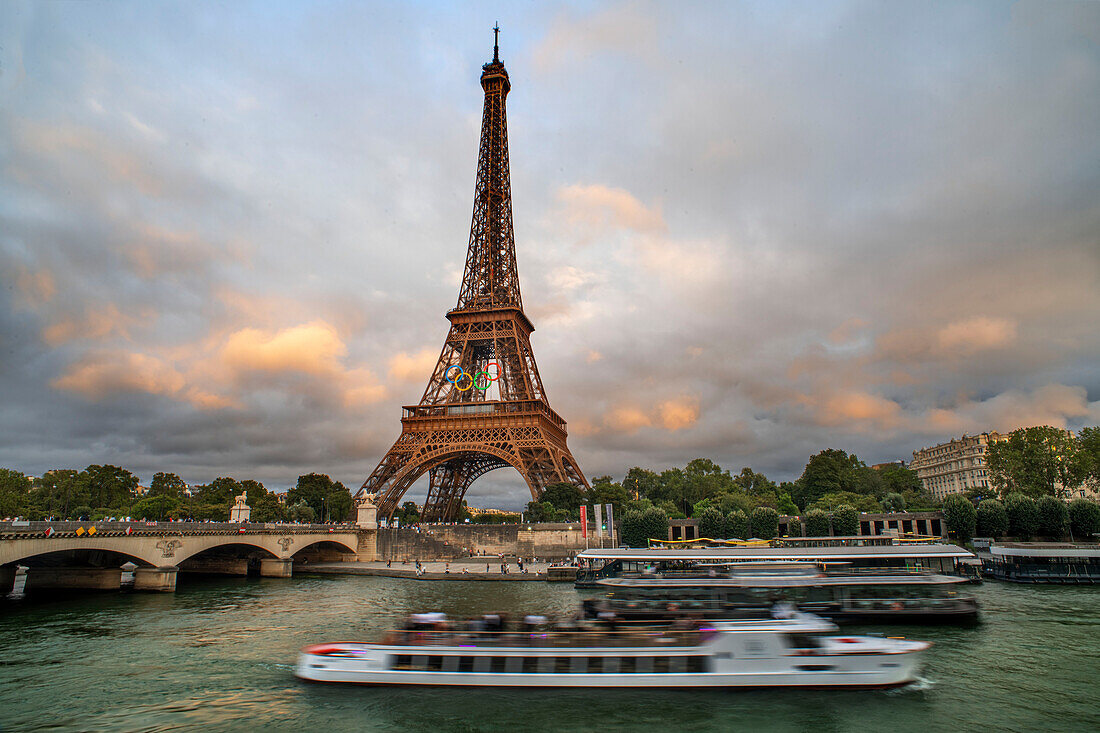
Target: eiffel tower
<point>484,406</point>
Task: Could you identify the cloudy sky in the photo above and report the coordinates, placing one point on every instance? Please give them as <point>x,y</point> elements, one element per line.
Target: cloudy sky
<point>746,231</point>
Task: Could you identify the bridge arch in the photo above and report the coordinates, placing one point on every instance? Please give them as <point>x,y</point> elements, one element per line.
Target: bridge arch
<point>494,458</point>
<point>86,556</point>
<point>232,543</point>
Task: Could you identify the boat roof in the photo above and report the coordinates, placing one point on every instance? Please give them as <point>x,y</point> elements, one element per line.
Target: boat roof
<point>739,554</point>
<point>800,623</point>
<point>774,581</point>
<point>1047,551</point>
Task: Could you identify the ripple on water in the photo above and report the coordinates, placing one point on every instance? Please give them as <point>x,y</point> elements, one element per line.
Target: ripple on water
<point>219,655</point>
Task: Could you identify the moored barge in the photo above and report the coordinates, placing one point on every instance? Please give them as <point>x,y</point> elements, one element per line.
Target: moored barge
<point>1043,562</point>
<point>863,597</point>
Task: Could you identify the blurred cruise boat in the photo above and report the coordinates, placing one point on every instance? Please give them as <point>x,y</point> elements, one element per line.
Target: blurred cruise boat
<point>794,652</point>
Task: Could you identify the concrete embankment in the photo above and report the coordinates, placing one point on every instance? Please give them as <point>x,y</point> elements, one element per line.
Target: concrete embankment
<point>432,571</point>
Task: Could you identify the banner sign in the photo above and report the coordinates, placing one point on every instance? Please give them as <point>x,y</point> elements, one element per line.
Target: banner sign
<point>610,525</point>
<point>596,510</point>
<point>584,521</point>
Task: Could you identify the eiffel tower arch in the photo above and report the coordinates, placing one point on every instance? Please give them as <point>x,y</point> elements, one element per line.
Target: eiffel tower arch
<point>484,407</point>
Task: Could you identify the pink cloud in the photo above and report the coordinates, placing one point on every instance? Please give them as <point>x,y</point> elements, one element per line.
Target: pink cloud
<point>602,206</point>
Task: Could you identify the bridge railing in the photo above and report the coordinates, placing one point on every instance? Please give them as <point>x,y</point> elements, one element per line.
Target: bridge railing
<point>36,527</point>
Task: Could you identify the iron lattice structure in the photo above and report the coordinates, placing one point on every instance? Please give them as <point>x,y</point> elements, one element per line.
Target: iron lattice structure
<point>484,406</point>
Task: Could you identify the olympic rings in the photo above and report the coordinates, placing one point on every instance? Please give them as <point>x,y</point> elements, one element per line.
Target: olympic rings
<point>475,379</point>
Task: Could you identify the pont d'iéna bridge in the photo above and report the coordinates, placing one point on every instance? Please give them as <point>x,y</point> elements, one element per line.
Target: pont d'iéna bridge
<point>73,555</point>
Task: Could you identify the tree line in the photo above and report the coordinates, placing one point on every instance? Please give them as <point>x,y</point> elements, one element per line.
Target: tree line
<point>99,492</point>
<point>831,479</point>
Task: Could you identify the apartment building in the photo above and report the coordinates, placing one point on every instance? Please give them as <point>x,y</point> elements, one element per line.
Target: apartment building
<point>955,466</point>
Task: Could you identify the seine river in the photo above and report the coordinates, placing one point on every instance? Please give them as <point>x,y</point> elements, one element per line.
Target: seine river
<point>218,654</point>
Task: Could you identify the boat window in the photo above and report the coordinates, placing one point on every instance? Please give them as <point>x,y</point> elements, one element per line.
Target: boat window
<point>433,664</point>
<point>400,661</point>
<point>595,665</point>
<point>804,641</point>
<point>466,664</point>
<point>696,664</point>
<point>610,665</point>
<point>481,664</point>
<point>661,665</point>
<point>512,665</point>
<point>578,665</point>
<point>547,665</point>
<point>562,665</point>
<point>677,664</point>
<point>628,665</point>
<point>498,665</point>
<point>450,664</point>
<point>644,665</point>
<point>530,665</point>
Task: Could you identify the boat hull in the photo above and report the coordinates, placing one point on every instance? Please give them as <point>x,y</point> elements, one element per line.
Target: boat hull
<point>868,671</point>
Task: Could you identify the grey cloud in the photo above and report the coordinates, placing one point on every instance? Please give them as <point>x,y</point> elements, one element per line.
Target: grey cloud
<point>906,164</point>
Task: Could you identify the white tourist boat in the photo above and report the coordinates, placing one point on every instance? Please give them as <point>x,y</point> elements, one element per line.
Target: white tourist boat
<point>796,652</point>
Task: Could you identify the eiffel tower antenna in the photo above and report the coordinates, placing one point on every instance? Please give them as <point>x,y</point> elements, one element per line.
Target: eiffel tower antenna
<point>484,407</point>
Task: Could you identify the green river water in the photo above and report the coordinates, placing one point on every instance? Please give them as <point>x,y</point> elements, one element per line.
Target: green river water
<point>219,654</point>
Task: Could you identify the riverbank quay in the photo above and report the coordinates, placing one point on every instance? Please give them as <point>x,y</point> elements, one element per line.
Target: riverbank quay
<point>459,570</point>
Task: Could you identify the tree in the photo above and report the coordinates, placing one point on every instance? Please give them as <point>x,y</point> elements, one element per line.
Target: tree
<point>58,491</point>
<point>846,520</point>
<point>14,492</point>
<point>157,508</point>
<point>817,523</point>
<point>960,516</point>
<point>544,511</point>
<point>639,527</point>
<point>893,502</point>
<point>671,510</point>
<point>1053,517</point>
<point>329,499</point>
<point>920,501</point>
<point>1039,461</point>
<point>109,487</point>
<point>609,493</point>
<point>753,483</point>
<point>564,496</point>
<point>737,524</point>
<point>1084,518</point>
<point>898,479</point>
<point>167,484</point>
<point>640,482</point>
<point>862,502</point>
<point>1023,516</point>
<point>786,505</point>
<point>712,524</point>
<point>794,528</point>
<point>1087,463</point>
<point>765,522</point>
<point>832,471</point>
<point>408,514</point>
<point>992,518</point>
<point>220,491</point>
<point>302,512</point>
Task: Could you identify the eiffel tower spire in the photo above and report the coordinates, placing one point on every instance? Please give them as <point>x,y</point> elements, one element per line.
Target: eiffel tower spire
<point>490,278</point>
<point>484,406</point>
